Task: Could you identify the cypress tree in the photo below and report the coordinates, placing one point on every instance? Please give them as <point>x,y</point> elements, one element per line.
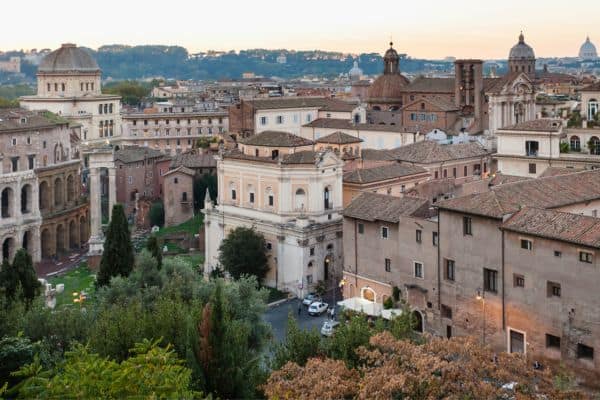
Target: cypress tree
<point>20,273</point>
<point>154,248</point>
<point>117,258</point>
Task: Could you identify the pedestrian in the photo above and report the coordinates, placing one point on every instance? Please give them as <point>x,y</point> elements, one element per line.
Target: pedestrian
<point>333,313</point>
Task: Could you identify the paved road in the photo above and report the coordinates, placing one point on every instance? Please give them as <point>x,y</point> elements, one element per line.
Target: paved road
<point>277,317</point>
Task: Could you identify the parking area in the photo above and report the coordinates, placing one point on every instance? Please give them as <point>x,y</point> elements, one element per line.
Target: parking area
<point>277,317</point>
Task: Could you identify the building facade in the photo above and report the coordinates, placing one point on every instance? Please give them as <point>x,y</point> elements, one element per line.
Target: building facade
<point>276,184</point>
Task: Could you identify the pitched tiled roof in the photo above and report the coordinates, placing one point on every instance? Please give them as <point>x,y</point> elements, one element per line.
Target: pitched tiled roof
<point>181,169</point>
<point>555,171</point>
<point>380,207</point>
<point>549,192</point>
<point>339,138</point>
<point>498,85</point>
<point>301,157</point>
<point>377,155</point>
<point>336,123</point>
<point>573,228</point>
<point>129,154</point>
<point>302,102</point>
<point>430,151</point>
<point>440,103</point>
<point>276,139</point>
<point>594,87</point>
<point>536,125</point>
<point>13,119</point>
<point>382,173</point>
<point>194,159</point>
<point>501,179</point>
<point>430,85</point>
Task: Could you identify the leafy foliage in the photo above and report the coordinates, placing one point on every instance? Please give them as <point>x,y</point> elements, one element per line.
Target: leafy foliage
<point>242,252</point>
<point>151,372</point>
<point>117,258</point>
<point>131,92</point>
<point>20,277</point>
<point>157,214</point>
<point>155,250</point>
<point>387,368</point>
<point>298,347</point>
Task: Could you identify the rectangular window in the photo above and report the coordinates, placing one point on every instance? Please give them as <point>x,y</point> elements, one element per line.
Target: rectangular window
<point>454,172</point>
<point>434,238</point>
<point>449,270</point>
<point>532,168</point>
<point>309,279</point>
<point>263,120</point>
<point>388,265</point>
<point>553,289</point>
<point>552,342</point>
<point>446,311</point>
<point>130,179</point>
<point>233,194</point>
<point>384,232</point>
<point>518,280</point>
<point>271,201</point>
<point>557,253</point>
<point>465,171</point>
<point>418,235</point>
<point>531,148</point>
<point>418,270</point>
<point>269,246</point>
<point>467,226</point>
<point>14,163</point>
<point>361,228</point>
<point>490,280</point>
<point>435,175</point>
<point>526,244</point>
<point>448,331</point>
<point>585,352</point>
<point>251,197</point>
<point>279,119</point>
<point>586,257</point>
<point>312,251</point>
<point>31,159</point>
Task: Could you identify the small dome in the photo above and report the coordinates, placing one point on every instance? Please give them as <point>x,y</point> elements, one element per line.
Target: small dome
<point>69,58</point>
<point>387,88</point>
<point>521,51</point>
<point>588,50</point>
<point>355,71</point>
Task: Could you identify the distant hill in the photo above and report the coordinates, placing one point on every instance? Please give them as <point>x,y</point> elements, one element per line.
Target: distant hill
<point>174,62</point>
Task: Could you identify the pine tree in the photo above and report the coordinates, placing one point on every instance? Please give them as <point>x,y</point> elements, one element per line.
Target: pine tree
<point>154,248</point>
<point>117,258</point>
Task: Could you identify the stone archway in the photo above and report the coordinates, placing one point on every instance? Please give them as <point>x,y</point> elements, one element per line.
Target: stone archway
<point>73,235</point>
<point>44,195</point>
<point>26,243</point>
<point>58,192</point>
<point>70,188</point>
<point>8,202</point>
<point>46,244</point>
<point>418,321</point>
<point>26,199</point>
<point>8,248</point>
<point>60,239</point>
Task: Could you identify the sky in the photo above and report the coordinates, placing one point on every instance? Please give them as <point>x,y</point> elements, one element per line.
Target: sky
<point>422,28</point>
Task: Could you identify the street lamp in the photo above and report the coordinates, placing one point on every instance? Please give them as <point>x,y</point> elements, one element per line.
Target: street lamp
<point>481,296</point>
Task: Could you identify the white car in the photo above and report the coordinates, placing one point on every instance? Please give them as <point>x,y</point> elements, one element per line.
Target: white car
<point>329,327</point>
<point>317,308</point>
<point>311,298</point>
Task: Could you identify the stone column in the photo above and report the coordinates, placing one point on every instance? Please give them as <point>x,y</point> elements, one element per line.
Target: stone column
<point>112,189</point>
<point>96,242</point>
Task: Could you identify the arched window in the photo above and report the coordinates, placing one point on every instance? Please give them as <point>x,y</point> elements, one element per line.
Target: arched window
<point>7,203</point>
<point>594,145</point>
<point>326,199</point>
<point>300,200</point>
<point>376,108</point>
<point>575,143</point>
<point>368,294</point>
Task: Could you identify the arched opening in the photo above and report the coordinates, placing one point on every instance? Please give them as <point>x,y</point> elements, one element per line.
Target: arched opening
<point>70,188</point>
<point>326,198</point>
<point>418,321</point>
<point>73,231</point>
<point>327,264</point>
<point>300,199</point>
<point>82,231</point>
<point>46,244</point>
<point>8,248</point>
<point>7,203</point>
<point>592,109</point>
<point>60,239</point>
<point>369,294</point>
<point>575,143</point>
<point>26,199</point>
<point>27,241</point>
<point>519,113</point>
<point>58,192</point>
<point>594,145</point>
<point>44,195</point>
<point>376,108</point>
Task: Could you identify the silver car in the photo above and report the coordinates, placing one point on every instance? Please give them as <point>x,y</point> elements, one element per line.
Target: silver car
<point>329,328</point>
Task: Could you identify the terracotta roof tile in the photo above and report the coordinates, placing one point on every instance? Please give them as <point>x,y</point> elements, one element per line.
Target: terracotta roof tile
<point>382,173</point>
<point>194,159</point>
<point>430,85</point>
<point>536,125</point>
<point>430,151</point>
<point>129,154</point>
<point>379,207</point>
<point>336,123</point>
<point>276,139</point>
<point>339,138</point>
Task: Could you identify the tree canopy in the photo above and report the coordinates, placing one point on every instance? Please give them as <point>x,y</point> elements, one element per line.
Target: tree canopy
<point>19,277</point>
<point>117,257</point>
<point>243,252</point>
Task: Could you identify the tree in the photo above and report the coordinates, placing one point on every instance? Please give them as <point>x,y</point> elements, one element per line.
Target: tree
<point>131,92</point>
<point>157,214</point>
<point>243,252</point>
<point>117,258</point>
<point>153,247</point>
<point>299,345</point>
<point>20,277</point>
<point>456,368</point>
<point>200,184</point>
<point>146,270</point>
<point>150,372</point>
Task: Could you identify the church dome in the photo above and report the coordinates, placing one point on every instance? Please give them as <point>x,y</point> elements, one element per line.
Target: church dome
<point>587,51</point>
<point>388,87</point>
<point>355,71</point>
<point>521,50</point>
<point>68,59</point>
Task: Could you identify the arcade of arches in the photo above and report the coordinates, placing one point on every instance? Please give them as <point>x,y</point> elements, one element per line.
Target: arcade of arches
<point>64,234</point>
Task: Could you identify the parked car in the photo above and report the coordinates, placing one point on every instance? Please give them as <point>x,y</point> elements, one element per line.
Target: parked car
<point>311,298</point>
<point>329,327</point>
<point>317,308</point>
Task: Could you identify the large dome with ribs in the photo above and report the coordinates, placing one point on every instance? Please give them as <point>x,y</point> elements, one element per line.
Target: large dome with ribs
<point>69,58</point>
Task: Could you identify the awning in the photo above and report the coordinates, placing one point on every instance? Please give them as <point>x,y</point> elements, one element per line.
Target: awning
<point>371,308</point>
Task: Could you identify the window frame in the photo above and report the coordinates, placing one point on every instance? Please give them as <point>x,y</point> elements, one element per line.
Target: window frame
<point>388,265</point>
<point>422,269</point>
<point>386,230</point>
<point>490,280</point>
<point>467,226</point>
<point>449,270</point>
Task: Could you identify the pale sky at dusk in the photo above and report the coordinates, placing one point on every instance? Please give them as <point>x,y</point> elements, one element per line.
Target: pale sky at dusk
<point>430,29</point>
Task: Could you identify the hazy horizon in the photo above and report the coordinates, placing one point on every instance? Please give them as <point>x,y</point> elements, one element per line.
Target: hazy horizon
<point>463,28</point>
